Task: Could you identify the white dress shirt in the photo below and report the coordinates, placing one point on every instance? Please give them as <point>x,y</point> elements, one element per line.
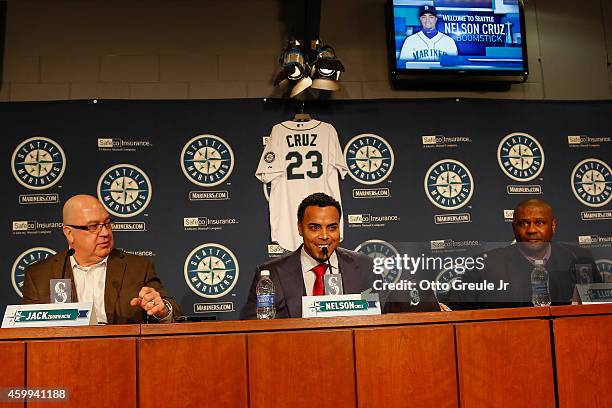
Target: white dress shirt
<point>90,282</point>
<point>308,262</point>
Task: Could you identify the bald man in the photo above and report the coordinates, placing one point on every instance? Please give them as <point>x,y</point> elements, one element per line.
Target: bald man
<point>534,225</point>
<point>123,288</point>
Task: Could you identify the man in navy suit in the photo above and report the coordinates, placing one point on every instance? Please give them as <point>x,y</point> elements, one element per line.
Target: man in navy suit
<point>294,274</point>
<point>300,273</point>
<point>534,225</point>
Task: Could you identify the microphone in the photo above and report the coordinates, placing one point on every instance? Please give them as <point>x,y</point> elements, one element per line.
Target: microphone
<point>68,255</point>
<point>325,252</point>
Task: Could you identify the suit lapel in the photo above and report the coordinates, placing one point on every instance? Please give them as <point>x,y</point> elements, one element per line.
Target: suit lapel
<point>115,269</point>
<point>293,286</point>
<point>349,268</point>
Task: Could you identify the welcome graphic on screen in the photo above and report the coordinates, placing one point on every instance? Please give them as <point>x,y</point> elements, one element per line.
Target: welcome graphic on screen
<point>458,34</point>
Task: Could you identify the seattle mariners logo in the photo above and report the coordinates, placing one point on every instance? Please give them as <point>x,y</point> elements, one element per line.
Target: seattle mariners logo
<point>520,156</point>
<point>592,182</point>
<point>38,163</point>
<point>125,190</point>
<point>369,158</point>
<point>25,259</point>
<point>211,270</point>
<point>376,248</point>
<point>207,160</point>
<point>604,266</point>
<point>449,184</point>
<point>270,157</point>
<point>448,276</point>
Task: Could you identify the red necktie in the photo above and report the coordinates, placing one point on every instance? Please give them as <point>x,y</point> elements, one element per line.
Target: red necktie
<point>319,270</point>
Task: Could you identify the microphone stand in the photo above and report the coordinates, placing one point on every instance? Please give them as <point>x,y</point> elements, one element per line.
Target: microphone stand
<point>68,255</point>
<point>326,253</point>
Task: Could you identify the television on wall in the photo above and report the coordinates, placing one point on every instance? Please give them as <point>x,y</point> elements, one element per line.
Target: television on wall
<point>457,40</point>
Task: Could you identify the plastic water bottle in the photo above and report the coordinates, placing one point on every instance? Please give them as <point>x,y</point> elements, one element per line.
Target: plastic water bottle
<point>265,296</point>
<point>540,294</point>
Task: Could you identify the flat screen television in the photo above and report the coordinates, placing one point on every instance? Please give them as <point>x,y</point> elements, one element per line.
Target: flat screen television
<point>457,40</point>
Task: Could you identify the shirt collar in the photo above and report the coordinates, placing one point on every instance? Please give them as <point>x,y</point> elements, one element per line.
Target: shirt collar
<point>430,33</point>
<point>532,259</point>
<point>308,262</point>
<point>75,264</point>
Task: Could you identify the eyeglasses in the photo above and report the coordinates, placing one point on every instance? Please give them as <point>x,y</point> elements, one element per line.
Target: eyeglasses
<point>93,228</point>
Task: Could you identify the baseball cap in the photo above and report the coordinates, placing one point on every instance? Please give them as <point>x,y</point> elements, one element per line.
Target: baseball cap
<point>427,9</point>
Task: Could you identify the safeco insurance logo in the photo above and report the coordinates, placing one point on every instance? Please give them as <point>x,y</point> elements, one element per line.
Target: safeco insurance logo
<point>207,223</point>
<point>122,145</point>
<point>370,220</point>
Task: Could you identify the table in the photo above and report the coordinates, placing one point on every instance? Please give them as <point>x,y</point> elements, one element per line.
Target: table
<point>502,357</point>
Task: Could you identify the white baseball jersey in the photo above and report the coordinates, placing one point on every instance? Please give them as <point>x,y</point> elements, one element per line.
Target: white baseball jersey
<point>418,47</point>
<point>300,158</point>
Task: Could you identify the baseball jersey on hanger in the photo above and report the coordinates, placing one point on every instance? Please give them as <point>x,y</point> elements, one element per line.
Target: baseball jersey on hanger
<point>300,158</point>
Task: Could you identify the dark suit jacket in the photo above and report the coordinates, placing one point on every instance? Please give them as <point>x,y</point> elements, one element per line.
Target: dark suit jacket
<point>566,266</point>
<point>126,274</point>
<point>357,276</point>
<point>286,273</point>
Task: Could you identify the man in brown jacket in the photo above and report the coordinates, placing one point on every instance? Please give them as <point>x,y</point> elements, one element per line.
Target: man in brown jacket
<point>123,287</point>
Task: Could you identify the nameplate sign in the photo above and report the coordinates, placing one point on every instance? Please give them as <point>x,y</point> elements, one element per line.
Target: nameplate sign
<point>50,315</point>
<point>340,305</point>
<point>591,293</point>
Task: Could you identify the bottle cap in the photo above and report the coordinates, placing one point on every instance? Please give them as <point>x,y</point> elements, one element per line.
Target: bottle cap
<point>264,272</point>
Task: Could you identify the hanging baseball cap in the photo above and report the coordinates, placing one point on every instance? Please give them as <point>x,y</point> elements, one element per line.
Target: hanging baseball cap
<point>427,10</point>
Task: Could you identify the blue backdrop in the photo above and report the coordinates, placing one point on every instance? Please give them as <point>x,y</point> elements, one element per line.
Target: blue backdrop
<point>138,156</point>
